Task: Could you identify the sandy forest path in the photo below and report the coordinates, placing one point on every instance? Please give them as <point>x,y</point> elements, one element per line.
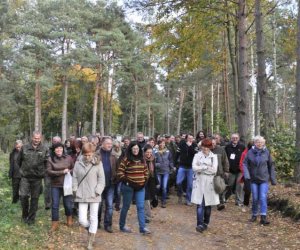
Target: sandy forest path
<point>174,228</point>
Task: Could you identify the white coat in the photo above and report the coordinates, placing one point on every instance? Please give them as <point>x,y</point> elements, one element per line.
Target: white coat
<point>205,168</point>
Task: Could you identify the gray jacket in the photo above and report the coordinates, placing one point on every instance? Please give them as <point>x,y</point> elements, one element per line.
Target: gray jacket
<point>163,162</point>
<point>91,188</point>
<point>259,166</point>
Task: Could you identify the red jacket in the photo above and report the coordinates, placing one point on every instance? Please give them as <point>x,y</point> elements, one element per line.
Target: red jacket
<point>241,164</point>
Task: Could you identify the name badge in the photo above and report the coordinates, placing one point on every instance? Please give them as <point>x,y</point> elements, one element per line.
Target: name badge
<point>232,156</point>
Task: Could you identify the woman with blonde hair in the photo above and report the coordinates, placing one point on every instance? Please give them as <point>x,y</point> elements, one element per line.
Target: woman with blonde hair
<point>258,170</point>
<point>88,185</point>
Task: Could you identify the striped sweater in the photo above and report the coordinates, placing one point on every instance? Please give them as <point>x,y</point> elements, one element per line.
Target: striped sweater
<point>133,173</point>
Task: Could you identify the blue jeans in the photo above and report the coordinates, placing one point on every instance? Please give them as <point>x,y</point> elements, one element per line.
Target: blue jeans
<point>203,213</point>
<point>163,183</point>
<point>56,193</point>
<point>181,175</point>
<point>128,193</point>
<point>118,195</point>
<point>107,197</point>
<point>259,195</point>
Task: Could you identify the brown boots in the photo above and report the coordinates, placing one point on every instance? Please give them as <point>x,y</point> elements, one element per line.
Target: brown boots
<point>91,238</point>
<point>54,226</point>
<point>69,221</point>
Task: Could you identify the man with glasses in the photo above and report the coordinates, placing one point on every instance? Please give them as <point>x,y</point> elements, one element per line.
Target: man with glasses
<point>234,151</point>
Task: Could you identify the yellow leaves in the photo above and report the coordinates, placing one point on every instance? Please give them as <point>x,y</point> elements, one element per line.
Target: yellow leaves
<point>88,74</point>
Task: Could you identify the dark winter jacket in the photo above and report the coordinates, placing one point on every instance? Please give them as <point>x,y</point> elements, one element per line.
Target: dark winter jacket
<point>163,162</point>
<point>186,154</point>
<point>259,166</point>
<point>113,165</point>
<point>234,154</point>
<point>56,167</point>
<point>33,161</point>
<point>14,161</point>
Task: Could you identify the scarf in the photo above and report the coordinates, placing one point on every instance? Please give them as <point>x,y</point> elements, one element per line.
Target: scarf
<point>149,161</point>
<point>162,151</point>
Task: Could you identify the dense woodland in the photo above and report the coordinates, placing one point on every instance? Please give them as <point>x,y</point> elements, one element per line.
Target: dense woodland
<point>75,67</point>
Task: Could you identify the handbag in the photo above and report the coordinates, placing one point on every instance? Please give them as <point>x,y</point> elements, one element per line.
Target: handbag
<point>219,184</point>
<point>68,184</point>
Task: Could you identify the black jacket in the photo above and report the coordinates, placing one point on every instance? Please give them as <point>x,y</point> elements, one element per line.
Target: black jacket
<point>186,154</point>
<point>234,154</point>
<point>14,164</point>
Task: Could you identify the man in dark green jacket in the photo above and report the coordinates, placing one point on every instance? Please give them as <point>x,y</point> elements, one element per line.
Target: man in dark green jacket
<point>33,164</point>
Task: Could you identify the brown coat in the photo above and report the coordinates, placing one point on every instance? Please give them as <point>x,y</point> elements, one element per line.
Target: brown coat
<point>55,169</point>
<point>114,166</point>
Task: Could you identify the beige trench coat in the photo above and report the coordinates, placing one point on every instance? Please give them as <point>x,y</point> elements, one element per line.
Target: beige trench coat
<point>205,168</point>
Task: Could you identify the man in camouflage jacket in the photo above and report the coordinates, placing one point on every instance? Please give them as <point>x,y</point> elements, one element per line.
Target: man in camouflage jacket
<point>33,164</point>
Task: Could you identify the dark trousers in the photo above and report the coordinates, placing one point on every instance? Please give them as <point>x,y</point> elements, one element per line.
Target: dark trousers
<point>47,191</point>
<point>30,188</point>
<point>57,193</point>
<point>15,189</point>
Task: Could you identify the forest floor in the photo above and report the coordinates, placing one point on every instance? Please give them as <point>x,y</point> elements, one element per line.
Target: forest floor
<point>174,228</point>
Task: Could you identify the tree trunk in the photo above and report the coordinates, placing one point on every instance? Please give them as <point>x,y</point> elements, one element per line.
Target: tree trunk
<point>194,110</point>
<point>212,109</point>
<point>243,102</point>
<point>149,109</point>
<point>101,110</point>
<point>135,105</point>
<point>113,84</point>
<point>181,100</point>
<point>297,165</point>
<point>168,108</point>
<point>199,108</point>
<point>38,104</point>
<point>64,122</point>
<point>233,62</point>
<point>95,106</point>
<point>268,120</point>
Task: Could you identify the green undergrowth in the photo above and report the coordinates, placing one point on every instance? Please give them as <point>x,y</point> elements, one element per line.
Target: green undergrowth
<point>13,233</point>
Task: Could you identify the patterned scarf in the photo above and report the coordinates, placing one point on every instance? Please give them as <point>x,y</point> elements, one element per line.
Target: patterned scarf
<point>150,164</point>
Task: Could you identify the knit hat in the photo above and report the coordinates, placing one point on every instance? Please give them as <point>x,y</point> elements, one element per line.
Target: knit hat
<point>207,143</point>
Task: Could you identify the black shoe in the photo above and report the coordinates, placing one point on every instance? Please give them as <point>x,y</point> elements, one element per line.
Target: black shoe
<point>201,228</point>
<point>253,218</point>
<point>30,222</point>
<point>163,205</point>
<point>117,208</point>
<point>147,221</point>
<point>263,220</point>
<point>47,208</point>
<point>220,207</point>
<point>108,229</point>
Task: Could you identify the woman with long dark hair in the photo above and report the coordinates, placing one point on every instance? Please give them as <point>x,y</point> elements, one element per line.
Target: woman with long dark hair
<point>133,173</point>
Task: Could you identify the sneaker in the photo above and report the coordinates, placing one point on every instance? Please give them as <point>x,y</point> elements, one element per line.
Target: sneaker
<point>125,230</point>
<point>220,207</point>
<point>108,229</point>
<point>163,205</point>
<point>145,231</point>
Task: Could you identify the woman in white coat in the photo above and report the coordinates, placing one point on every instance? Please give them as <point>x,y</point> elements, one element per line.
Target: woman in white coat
<point>205,165</point>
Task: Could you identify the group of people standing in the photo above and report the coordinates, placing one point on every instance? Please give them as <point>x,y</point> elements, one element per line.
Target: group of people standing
<point>103,170</point>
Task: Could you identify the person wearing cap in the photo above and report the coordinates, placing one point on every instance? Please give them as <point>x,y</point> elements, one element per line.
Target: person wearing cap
<point>58,165</point>
<point>205,166</point>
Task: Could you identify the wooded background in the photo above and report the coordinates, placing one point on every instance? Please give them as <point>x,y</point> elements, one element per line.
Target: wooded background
<point>80,67</point>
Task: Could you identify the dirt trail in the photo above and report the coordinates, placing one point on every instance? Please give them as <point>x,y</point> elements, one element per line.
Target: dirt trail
<point>174,228</point>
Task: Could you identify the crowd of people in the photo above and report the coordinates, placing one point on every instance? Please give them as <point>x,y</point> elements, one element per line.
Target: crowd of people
<point>108,175</point>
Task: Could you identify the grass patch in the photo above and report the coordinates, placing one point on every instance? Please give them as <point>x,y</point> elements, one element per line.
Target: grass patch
<point>13,233</point>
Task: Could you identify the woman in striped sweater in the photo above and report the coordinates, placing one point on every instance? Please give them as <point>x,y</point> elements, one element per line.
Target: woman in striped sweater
<point>133,173</point>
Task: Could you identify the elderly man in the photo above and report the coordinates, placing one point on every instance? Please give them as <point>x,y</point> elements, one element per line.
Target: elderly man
<point>140,139</point>
<point>234,151</point>
<point>33,164</point>
<point>109,162</point>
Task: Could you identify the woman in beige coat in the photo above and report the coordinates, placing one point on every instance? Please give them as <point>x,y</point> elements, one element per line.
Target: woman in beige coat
<point>88,185</point>
<point>205,166</point>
